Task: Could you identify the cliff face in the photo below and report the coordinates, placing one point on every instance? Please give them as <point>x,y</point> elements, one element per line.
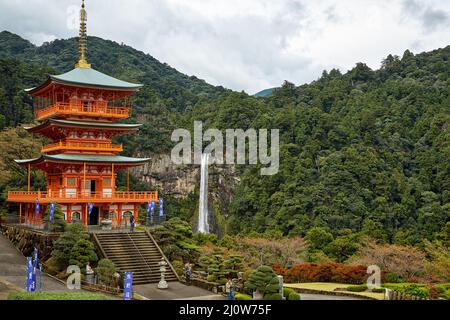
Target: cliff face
<point>174,180</point>
<point>180,180</point>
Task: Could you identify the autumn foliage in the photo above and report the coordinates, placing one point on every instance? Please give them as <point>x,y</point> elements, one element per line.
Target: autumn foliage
<point>323,272</point>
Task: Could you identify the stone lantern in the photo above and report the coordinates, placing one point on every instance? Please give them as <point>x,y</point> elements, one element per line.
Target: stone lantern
<point>162,268</point>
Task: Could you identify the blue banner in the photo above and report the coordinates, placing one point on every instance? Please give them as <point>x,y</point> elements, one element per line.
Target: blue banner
<point>161,207</point>
<point>35,263</point>
<point>52,211</point>
<point>128,286</point>
<point>90,207</point>
<point>37,209</point>
<point>29,273</point>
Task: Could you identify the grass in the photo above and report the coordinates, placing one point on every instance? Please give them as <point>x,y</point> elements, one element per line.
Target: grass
<point>57,296</point>
<point>331,287</point>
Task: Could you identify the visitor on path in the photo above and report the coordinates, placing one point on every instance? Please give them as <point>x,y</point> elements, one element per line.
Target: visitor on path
<point>188,273</point>
<point>132,223</point>
<point>229,289</point>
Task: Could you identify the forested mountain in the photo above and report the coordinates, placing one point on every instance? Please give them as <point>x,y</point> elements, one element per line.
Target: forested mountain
<point>365,152</point>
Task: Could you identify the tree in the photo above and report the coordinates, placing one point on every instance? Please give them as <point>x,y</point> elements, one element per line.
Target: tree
<point>62,248</point>
<point>58,224</point>
<point>438,263</point>
<point>105,271</point>
<point>405,261</point>
<point>318,238</point>
<point>82,252</point>
<point>263,280</point>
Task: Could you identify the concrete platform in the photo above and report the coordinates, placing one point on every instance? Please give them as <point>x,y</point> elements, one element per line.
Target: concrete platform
<point>176,291</point>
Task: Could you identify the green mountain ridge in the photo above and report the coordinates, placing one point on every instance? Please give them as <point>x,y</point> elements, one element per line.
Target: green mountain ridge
<point>361,153</point>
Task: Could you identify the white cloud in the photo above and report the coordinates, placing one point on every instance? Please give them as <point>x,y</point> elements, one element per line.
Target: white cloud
<point>247,44</point>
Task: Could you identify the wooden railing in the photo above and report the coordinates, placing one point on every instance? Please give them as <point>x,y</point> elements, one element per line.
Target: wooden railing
<point>81,197</point>
<point>96,109</point>
<point>83,146</point>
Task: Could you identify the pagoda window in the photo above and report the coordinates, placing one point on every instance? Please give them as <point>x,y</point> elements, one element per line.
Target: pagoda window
<point>76,216</point>
<point>71,182</point>
<point>107,182</point>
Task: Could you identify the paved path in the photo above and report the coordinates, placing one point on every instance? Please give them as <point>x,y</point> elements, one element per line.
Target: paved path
<point>13,270</point>
<point>176,290</point>
<point>309,296</point>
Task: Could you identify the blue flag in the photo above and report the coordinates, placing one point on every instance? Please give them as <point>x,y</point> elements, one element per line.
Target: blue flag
<point>33,277</point>
<point>90,207</point>
<point>52,211</point>
<point>161,207</point>
<point>128,286</point>
<point>37,209</point>
<point>29,274</point>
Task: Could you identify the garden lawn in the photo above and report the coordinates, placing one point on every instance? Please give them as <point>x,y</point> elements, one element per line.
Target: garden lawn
<point>57,296</point>
<point>331,287</point>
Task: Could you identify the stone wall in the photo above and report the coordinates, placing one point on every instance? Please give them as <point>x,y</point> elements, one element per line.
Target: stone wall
<point>25,240</point>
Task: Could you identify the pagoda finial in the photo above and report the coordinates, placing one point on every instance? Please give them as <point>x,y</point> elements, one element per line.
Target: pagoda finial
<point>82,62</point>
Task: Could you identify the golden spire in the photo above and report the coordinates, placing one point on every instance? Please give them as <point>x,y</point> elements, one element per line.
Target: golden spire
<point>82,62</point>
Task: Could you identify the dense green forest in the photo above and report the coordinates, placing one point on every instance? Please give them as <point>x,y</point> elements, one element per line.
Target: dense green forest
<point>365,152</point>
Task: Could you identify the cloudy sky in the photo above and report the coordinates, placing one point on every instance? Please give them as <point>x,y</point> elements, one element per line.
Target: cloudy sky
<point>245,44</point>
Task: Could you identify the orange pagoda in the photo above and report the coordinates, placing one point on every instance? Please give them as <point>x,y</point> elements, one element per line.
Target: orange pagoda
<point>79,112</point>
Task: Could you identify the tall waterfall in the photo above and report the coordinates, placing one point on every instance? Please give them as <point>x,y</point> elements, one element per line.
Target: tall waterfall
<point>203,224</point>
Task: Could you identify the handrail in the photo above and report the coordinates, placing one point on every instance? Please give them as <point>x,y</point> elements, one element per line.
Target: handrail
<point>142,257</point>
<point>64,195</point>
<point>162,253</point>
<point>98,146</point>
<point>75,108</point>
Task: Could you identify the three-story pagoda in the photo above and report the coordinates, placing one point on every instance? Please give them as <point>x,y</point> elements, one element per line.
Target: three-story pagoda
<point>79,111</point>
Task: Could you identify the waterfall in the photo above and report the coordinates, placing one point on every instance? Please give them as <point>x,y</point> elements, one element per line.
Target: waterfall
<point>203,224</point>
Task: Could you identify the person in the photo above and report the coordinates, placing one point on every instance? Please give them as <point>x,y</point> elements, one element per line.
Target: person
<point>229,288</point>
<point>132,223</point>
<point>90,278</point>
<point>188,272</point>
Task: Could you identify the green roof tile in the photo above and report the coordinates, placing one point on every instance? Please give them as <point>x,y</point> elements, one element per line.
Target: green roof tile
<point>89,76</point>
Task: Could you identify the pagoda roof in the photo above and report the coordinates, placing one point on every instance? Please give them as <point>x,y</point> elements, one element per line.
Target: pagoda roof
<point>87,77</point>
<point>81,158</point>
<point>67,123</point>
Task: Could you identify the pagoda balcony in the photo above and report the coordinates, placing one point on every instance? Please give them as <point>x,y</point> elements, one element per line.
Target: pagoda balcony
<point>95,109</point>
<point>83,146</point>
<point>62,197</point>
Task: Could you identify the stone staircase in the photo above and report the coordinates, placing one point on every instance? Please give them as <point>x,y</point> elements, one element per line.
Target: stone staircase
<point>135,252</point>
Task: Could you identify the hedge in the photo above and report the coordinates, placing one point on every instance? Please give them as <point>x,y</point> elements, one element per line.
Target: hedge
<point>294,296</point>
<point>57,296</point>
<point>241,296</point>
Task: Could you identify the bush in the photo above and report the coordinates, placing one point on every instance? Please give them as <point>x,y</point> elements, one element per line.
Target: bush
<point>326,272</point>
<point>264,280</point>
<point>378,290</point>
<point>393,278</point>
<point>294,296</point>
<point>211,278</point>
<point>58,224</point>
<point>357,288</point>
<point>273,296</point>
<point>287,292</point>
<point>241,296</point>
<point>105,271</point>
<point>57,296</point>
<point>82,253</point>
<point>418,290</point>
<point>62,248</point>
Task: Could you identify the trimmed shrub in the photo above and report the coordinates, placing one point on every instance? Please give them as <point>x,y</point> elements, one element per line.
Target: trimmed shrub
<point>83,252</point>
<point>57,296</point>
<point>263,280</point>
<point>357,288</point>
<point>412,289</point>
<point>287,292</point>
<point>105,271</point>
<point>378,290</point>
<point>393,278</point>
<point>241,296</point>
<point>294,296</point>
<point>273,296</point>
